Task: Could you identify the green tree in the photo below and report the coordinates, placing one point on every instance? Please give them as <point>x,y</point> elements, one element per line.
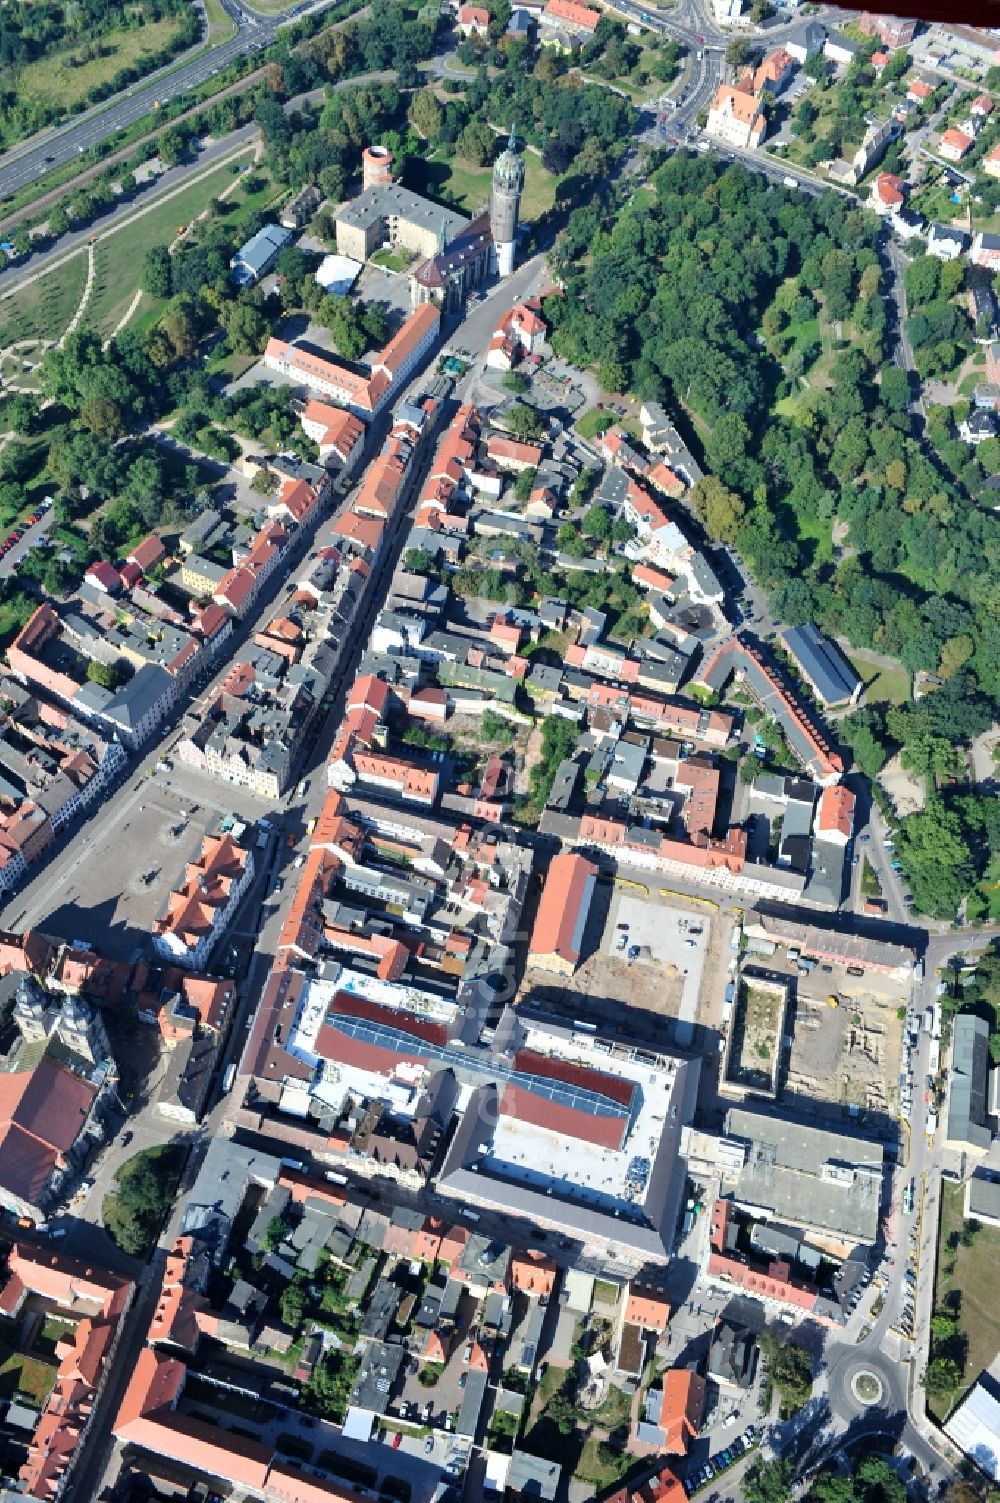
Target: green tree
<point>942,1380</point>
<point>18,414</point>
<point>475,144</point>
<point>247,328</point>
<point>274,1233</point>
<point>426,114</point>
<point>170,146</point>
<point>596,523</point>
<point>523,422</point>
<point>719,508</point>
<point>515,382</point>
<point>768,1481</point>
<point>524,484</point>
<point>155,277</point>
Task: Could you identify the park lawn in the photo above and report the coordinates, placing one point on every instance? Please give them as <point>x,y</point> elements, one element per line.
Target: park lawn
<point>44,308</point>
<point>595,422</point>
<point>469,187</point>
<point>53,79</point>
<point>887,686</point>
<point>118,257</point>
<point>973,1277</point>
<point>26,1375</point>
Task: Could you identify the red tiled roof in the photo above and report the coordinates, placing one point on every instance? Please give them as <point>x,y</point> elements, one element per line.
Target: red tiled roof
<point>614,1087</point>
<point>148,553</point>
<point>590,1127</point>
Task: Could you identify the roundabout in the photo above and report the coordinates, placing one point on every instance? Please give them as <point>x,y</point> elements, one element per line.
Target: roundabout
<point>867,1388</point>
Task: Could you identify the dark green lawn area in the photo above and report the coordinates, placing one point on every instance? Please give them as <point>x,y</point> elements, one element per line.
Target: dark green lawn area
<point>970,1273</point>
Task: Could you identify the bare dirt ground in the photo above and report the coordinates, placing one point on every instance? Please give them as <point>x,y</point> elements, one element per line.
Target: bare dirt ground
<point>847,1054</point>
<point>907,792</point>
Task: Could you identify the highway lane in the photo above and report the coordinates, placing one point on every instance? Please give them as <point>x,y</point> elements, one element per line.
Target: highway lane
<point>28,162</point>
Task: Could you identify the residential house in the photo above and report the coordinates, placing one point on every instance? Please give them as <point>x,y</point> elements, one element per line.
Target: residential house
<point>887,193</point>
<point>991,163</point>
<point>805,41</point>
<point>775,72</point>
<point>736,118</point>
<point>567,15</point>
<point>986,250</point>
<point>472,20</point>
<point>892,31</point>
<point>955,144</point>
<point>840,49</point>
<point>946,243</point>
<point>977,426</point>
<point>835,815</point>
<point>301,207</point>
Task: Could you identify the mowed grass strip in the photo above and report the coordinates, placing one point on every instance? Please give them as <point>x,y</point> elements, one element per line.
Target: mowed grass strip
<point>118,257</point>
<point>44,308</point>
<point>54,80</point>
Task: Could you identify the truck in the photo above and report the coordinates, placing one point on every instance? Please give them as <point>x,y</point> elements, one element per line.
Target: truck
<point>228,1078</point>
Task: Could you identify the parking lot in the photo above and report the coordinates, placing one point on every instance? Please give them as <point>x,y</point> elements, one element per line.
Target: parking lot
<point>657,972</point>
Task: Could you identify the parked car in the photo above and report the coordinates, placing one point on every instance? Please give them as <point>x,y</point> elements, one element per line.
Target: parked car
<point>428,1445</point>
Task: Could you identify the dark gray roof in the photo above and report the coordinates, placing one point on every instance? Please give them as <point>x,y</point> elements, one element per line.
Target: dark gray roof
<point>970,1074</point>
<point>822,662</point>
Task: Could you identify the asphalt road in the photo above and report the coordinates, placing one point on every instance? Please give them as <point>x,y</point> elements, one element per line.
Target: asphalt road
<point>31,160</point>
<point>9,562</point>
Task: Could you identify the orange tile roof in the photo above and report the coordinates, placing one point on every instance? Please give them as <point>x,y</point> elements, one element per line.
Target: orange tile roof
<point>573,14</point>
<point>532,1272</point>
<point>498,447</point>
<point>419,326</point>
<point>562,907</point>
<point>651,1311</point>
<point>957,140</point>
<point>683,1405</point>
<point>836,811</point>
<point>368,531</point>
<point>743,107</point>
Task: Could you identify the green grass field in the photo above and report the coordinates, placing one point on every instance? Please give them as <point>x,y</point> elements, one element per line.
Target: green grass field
<point>55,81</point>
<point>118,258</point>
<point>890,686</point>
<point>972,1272</point>
<point>44,308</point>
<point>219,24</point>
<point>469,187</point>
<point>593,423</point>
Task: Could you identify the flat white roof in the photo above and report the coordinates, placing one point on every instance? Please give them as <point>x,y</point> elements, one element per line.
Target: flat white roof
<point>574,1169</point>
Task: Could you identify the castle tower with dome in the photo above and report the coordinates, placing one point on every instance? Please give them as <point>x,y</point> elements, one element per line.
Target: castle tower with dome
<point>505,203</point>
